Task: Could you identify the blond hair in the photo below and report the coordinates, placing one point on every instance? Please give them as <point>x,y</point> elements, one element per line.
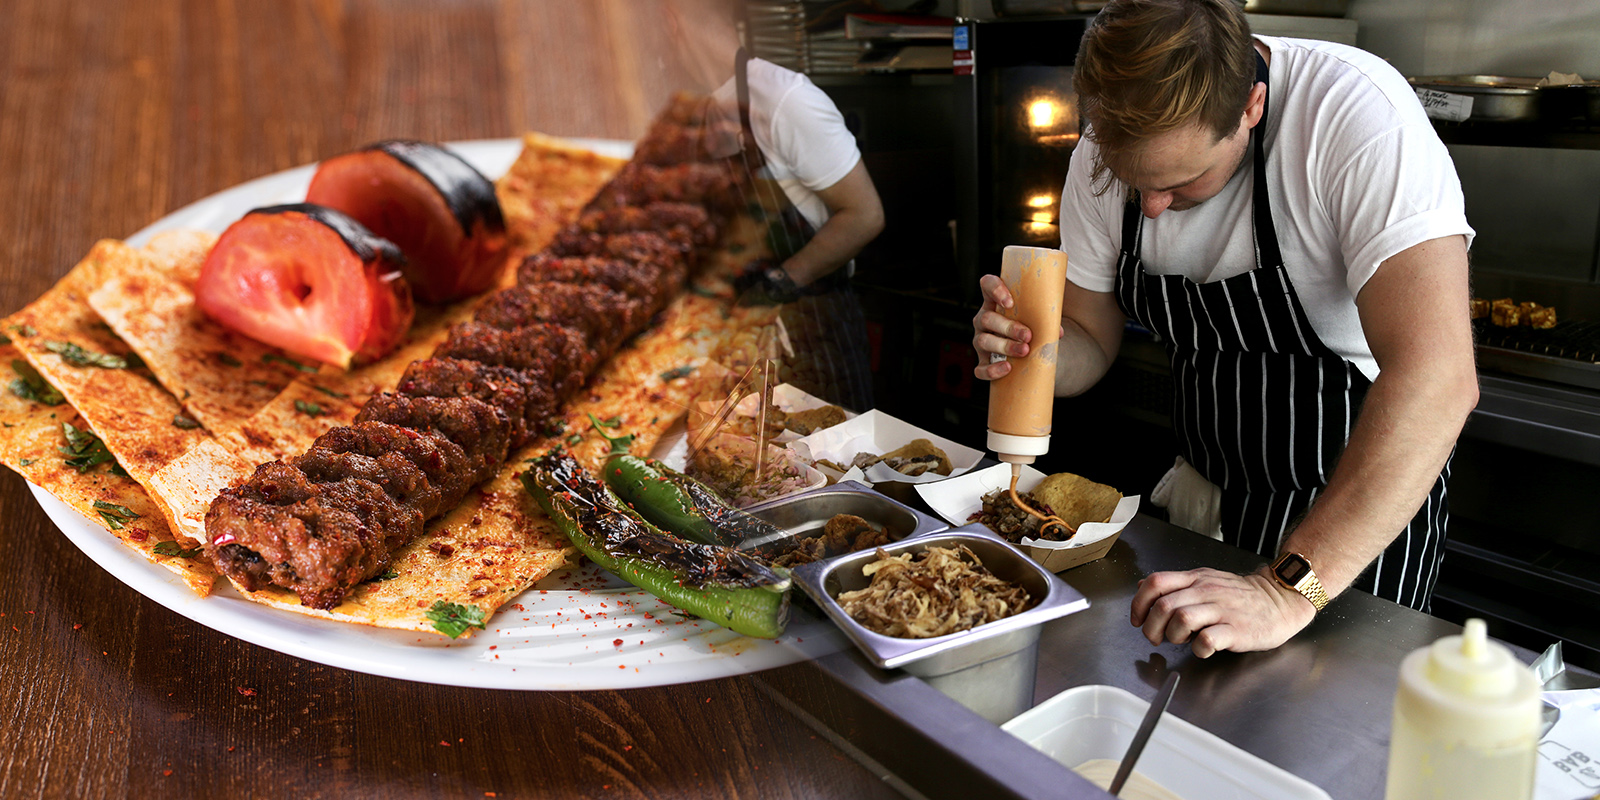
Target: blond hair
<point>1148,67</point>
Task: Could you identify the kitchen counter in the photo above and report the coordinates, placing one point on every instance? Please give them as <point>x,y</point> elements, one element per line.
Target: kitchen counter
<point>1319,706</point>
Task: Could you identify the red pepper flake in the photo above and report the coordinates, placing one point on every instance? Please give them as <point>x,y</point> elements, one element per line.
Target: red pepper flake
<point>616,642</point>
<point>620,666</point>
<point>708,699</point>
<point>489,794</point>
<point>627,747</point>
<point>443,743</point>
<point>138,534</point>
<point>166,772</point>
<point>247,692</point>
<point>230,749</point>
<point>494,647</point>
<point>444,550</point>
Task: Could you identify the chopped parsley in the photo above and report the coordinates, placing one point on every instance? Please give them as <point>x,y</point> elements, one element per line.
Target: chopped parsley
<point>619,444</point>
<point>453,619</point>
<point>329,392</point>
<point>228,360</point>
<point>84,450</point>
<point>25,461</point>
<point>181,421</point>
<point>30,385</point>
<point>574,439</point>
<point>175,549</point>
<point>121,511</point>
<point>25,331</point>
<point>73,354</point>
<point>556,428</point>
<point>268,358</point>
<point>678,372</point>
<point>308,409</point>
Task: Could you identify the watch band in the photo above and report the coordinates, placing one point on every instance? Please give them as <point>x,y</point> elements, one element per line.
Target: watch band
<point>1293,571</point>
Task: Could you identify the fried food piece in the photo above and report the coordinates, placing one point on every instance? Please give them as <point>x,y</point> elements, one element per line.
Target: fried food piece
<point>1076,499</point>
<point>814,419</point>
<point>1505,313</point>
<point>1480,308</point>
<point>917,458</point>
<point>1541,317</point>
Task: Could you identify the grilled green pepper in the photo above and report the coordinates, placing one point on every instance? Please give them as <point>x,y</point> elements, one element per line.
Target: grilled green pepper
<point>678,503</point>
<point>709,581</point>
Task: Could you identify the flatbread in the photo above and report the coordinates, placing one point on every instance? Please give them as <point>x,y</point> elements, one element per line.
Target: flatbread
<point>547,186</point>
<point>30,441</point>
<point>1077,499</point>
<point>127,409</point>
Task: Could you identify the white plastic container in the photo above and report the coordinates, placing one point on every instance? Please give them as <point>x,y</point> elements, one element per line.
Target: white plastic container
<point>1093,722</point>
<point>1466,722</point>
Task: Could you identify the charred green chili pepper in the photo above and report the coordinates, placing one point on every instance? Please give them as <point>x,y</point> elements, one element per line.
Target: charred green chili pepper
<point>709,581</point>
<point>678,503</point>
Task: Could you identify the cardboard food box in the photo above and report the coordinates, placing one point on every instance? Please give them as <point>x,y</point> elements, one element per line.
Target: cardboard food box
<point>957,499</point>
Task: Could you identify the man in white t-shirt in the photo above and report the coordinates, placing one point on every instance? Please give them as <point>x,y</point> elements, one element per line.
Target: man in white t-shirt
<point>1281,213</point>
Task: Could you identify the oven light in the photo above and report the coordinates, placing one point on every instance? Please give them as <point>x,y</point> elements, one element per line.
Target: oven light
<point>1042,216</point>
<point>1038,228</point>
<point>1040,201</point>
<point>1042,113</point>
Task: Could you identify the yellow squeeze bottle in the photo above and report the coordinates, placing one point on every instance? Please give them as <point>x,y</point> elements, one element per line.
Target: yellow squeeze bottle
<point>1020,403</point>
<point>1466,722</point>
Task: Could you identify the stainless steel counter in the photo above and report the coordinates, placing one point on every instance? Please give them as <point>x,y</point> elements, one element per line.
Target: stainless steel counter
<point>1319,706</point>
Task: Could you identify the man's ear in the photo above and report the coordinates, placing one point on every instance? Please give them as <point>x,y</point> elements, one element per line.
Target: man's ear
<point>1255,106</point>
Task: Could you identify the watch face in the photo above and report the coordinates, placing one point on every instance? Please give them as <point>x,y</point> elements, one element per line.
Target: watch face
<point>1293,569</point>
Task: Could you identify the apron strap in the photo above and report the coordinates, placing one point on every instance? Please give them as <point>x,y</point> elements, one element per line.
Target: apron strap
<point>1267,252</point>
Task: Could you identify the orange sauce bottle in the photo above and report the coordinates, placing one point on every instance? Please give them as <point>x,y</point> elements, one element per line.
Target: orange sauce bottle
<point>1020,403</point>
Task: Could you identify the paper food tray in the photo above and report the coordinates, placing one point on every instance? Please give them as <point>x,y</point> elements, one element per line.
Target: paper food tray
<point>1098,722</point>
<point>787,398</point>
<point>957,499</point>
<point>877,433</point>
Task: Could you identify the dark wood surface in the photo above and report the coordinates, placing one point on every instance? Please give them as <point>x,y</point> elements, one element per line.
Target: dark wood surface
<point>113,114</point>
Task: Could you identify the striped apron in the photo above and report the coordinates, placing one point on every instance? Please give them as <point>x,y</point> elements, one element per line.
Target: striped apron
<point>1262,408</point>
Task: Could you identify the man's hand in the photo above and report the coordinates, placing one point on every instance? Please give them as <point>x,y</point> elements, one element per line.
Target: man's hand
<point>993,332</point>
<point>1219,610</point>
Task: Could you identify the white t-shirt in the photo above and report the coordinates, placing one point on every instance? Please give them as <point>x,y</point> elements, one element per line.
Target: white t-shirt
<point>800,132</point>
<point>1356,174</point>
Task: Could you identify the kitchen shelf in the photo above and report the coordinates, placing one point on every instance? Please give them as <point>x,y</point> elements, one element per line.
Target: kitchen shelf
<point>1519,134</point>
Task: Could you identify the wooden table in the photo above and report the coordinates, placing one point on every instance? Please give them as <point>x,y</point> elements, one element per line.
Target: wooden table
<point>113,114</point>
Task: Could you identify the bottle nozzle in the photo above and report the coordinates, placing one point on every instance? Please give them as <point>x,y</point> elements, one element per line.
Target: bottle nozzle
<point>1475,640</point>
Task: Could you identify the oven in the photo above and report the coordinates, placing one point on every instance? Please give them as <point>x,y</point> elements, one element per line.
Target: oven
<point>1524,547</point>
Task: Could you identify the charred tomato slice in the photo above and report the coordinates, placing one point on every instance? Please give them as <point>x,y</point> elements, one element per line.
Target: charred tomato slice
<point>309,280</point>
<point>441,212</point>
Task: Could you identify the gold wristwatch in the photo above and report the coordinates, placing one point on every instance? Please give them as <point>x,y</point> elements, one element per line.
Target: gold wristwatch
<point>1294,572</point>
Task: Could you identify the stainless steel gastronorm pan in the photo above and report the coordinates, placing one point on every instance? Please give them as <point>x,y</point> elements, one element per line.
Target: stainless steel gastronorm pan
<point>803,515</point>
<point>825,580</point>
<point>1495,98</point>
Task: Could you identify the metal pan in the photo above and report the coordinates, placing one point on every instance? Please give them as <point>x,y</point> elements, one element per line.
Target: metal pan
<point>1495,98</point>
<point>802,516</point>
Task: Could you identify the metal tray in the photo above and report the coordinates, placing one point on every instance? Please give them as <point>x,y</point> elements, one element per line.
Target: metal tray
<point>1495,98</point>
<point>825,580</point>
<point>802,516</point>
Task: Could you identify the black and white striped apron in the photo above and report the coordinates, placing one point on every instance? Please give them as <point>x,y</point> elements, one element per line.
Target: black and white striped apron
<point>1262,408</point>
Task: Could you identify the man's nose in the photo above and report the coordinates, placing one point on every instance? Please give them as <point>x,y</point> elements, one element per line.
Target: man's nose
<point>1155,202</point>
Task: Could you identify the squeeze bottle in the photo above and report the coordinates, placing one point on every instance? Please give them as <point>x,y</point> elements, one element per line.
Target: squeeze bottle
<point>1020,402</point>
<point>1466,722</point>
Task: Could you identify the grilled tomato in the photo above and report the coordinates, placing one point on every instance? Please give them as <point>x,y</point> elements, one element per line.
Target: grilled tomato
<point>309,280</point>
<point>441,212</point>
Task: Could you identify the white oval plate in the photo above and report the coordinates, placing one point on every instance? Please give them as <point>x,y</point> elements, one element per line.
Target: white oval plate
<point>577,629</point>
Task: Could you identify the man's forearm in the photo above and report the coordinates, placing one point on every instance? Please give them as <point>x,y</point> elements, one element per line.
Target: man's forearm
<point>1407,427</point>
<point>1080,361</point>
<point>836,242</point>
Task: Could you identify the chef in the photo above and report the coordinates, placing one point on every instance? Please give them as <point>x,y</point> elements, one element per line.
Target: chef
<point>1282,215</point>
